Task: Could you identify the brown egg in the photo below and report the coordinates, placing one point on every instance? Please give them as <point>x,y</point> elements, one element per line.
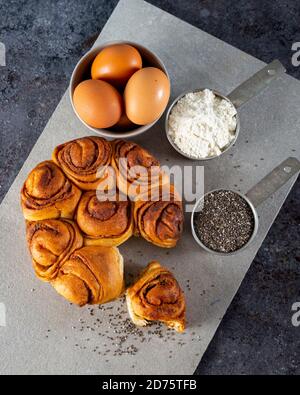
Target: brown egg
<point>124,124</point>
<point>146,95</point>
<point>116,64</point>
<point>97,103</point>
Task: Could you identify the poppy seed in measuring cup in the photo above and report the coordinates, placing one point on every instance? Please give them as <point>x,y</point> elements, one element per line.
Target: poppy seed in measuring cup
<point>225,223</point>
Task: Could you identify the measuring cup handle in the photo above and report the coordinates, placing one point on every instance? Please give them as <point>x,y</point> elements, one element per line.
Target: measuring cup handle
<point>256,83</point>
<point>273,181</point>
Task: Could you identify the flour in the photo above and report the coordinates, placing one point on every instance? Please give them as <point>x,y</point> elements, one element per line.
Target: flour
<point>202,124</point>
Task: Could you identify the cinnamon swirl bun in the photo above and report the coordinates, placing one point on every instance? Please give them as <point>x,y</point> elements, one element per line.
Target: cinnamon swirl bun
<point>47,193</point>
<point>104,222</point>
<point>85,161</point>
<point>136,169</point>
<point>156,296</point>
<point>160,221</point>
<point>51,242</point>
<point>92,275</point>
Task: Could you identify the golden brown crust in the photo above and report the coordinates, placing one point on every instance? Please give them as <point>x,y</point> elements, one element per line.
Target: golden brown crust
<point>160,222</point>
<point>92,275</point>
<point>47,193</point>
<point>136,169</point>
<point>106,223</point>
<point>157,296</point>
<point>51,242</point>
<point>83,159</point>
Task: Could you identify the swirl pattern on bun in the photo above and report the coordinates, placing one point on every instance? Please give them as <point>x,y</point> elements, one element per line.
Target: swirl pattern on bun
<point>51,242</point>
<point>92,275</point>
<point>160,221</point>
<point>47,193</point>
<point>136,169</point>
<point>156,296</point>
<point>85,161</point>
<point>104,222</point>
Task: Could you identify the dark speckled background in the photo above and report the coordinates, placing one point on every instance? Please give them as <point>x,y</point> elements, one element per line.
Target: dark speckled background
<point>44,39</point>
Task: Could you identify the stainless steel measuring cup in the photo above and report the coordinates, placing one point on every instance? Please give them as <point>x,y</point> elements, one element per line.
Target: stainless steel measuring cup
<point>238,97</point>
<point>254,197</point>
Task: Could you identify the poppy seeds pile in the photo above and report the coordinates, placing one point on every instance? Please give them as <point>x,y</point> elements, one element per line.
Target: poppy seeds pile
<point>225,223</point>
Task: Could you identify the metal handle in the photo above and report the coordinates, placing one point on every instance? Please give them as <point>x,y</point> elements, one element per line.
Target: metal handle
<point>273,181</point>
<point>256,83</point>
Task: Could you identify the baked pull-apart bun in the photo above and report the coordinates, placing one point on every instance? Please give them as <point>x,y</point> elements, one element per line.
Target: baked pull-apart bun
<point>136,169</point>
<point>47,193</point>
<point>160,221</point>
<point>104,222</point>
<point>92,275</point>
<point>85,161</point>
<point>51,242</point>
<point>156,296</point>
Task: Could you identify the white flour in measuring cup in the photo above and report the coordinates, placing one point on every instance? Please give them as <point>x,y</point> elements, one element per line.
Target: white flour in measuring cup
<point>202,124</point>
